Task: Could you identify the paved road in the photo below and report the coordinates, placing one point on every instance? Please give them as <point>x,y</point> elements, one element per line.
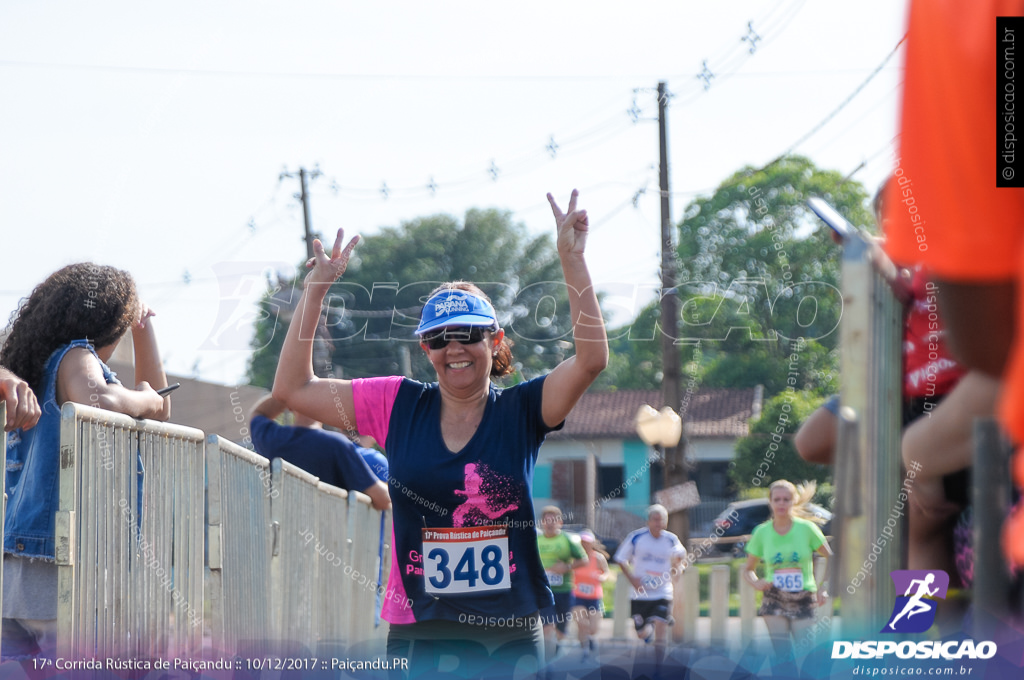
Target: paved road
<point>618,658</point>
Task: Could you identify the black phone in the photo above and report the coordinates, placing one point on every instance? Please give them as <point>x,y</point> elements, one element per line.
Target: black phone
<point>831,217</point>
<point>167,390</point>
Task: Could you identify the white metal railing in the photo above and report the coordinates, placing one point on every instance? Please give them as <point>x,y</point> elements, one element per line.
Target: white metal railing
<point>129,537</point>
<point>326,558</point>
<point>292,561</point>
<point>239,547</point>
<point>336,608</point>
<point>293,516</point>
<point>364,527</point>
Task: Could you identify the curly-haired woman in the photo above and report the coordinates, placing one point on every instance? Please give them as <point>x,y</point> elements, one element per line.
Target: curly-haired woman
<point>59,339</point>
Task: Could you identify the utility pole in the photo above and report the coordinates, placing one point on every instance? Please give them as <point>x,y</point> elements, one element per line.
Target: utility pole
<point>675,456</point>
<point>305,213</point>
<point>303,195</point>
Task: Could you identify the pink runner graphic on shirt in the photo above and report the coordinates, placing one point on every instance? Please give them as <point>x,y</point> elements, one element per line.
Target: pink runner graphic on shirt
<point>485,492</point>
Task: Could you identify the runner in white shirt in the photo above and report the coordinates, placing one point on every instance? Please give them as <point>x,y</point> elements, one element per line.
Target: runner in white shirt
<point>652,558</point>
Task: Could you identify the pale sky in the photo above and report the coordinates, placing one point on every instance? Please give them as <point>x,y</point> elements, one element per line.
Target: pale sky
<point>152,136</point>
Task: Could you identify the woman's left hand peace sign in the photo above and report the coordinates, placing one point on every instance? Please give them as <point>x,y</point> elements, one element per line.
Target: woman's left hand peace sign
<point>572,227</point>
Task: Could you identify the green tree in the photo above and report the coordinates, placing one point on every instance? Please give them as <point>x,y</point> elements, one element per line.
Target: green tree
<point>274,315</point>
<point>768,454</point>
<point>757,270</point>
<point>372,311</point>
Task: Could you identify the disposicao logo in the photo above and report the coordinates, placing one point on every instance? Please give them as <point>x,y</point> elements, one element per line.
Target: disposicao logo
<point>912,613</point>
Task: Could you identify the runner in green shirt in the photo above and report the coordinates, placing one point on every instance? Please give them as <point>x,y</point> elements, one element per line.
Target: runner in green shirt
<point>786,544</point>
<point>560,553</point>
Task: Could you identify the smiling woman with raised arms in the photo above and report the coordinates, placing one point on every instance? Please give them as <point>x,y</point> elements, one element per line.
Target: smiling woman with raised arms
<point>465,549</point>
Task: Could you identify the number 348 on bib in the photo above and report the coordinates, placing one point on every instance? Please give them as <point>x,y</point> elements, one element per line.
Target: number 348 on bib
<point>465,560</point>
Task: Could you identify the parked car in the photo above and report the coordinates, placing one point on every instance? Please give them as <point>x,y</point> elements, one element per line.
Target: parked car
<point>740,517</point>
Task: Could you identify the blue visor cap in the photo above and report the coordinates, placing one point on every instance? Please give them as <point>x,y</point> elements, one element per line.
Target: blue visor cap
<point>456,308</point>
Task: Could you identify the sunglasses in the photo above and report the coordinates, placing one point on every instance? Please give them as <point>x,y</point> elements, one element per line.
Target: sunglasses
<point>466,335</point>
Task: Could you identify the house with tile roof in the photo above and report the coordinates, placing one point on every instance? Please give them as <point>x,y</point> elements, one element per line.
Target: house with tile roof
<point>598,462</point>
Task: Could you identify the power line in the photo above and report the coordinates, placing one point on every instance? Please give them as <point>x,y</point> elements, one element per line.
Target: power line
<point>869,110</point>
<point>729,63</point>
<point>174,71</point>
<point>490,172</point>
<point>432,186</point>
<point>543,205</point>
<point>845,102</point>
<point>828,118</point>
<point>608,128</point>
<point>251,227</point>
<point>554,147</point>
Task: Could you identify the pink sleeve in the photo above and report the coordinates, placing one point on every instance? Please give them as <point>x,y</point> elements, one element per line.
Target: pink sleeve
<point>374,398</point>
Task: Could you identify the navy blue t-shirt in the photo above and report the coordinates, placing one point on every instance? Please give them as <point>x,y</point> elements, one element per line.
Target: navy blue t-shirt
<point>331,456</point>
<point>489,482</point>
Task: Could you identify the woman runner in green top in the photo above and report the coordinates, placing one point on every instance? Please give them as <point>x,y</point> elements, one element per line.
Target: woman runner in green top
<point>786,544</point>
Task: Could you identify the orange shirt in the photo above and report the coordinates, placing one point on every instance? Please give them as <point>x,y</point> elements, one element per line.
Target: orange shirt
<point>944,209</point>
<point>588,580</point>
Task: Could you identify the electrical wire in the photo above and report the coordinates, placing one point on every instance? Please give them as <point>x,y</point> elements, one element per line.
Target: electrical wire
<point>290,75</point>
<point>845,102</point>
<point>729,64</point>
<point>608,129</point>
<point>789,150</point>
<point>869,110</point>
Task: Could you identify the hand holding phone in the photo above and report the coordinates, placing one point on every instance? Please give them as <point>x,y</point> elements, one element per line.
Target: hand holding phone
<point>167,390</point>
<point>831,217</point>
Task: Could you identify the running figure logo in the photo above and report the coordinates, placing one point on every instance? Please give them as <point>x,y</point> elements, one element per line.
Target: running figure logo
<point>486,493</point>
<point>912,613</point>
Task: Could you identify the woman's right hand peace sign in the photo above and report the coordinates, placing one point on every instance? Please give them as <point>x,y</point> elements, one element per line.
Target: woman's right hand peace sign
<point>572,226</point>
<point>326,269</point>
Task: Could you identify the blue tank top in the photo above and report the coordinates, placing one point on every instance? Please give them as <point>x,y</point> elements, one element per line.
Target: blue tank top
<point>33,469</point>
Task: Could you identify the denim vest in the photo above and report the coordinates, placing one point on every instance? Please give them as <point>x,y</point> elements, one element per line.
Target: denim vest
<point>33,470</point>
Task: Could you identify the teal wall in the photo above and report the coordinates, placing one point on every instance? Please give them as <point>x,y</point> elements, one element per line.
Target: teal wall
<point>542,481</point>
<point>636,476</point>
